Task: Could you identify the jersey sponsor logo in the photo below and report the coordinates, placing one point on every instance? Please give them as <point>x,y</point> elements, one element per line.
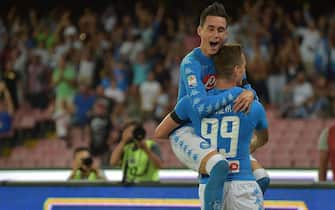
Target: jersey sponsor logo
<point>192,81</point>
<point>234,166</point>
<point>209,81</point>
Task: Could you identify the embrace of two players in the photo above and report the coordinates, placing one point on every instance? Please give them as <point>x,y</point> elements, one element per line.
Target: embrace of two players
<point>214,129</point>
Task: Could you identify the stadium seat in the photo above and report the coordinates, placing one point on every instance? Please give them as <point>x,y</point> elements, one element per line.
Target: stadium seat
<point>301,160</point>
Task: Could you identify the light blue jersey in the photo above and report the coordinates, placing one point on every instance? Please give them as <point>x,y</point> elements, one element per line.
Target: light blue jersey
<point>197,76</point>
<point>230,132</point>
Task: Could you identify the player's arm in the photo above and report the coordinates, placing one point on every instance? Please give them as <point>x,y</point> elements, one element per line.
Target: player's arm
<point>261,129</point>
<point>173,120</point>
<point>261,137</point>
<point>165,127</point>
<point>200,101</point>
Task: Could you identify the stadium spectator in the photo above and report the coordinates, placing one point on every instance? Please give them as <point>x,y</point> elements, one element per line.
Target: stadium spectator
<point>84,167</point>
<point>62,118</point>
<point>162,75</point>
<point>299,91</point>
<point>12,81</point>
<point>327,152</point>
<point>6,118</point>
<point>83,102</point>
<point>86,68</point>
<point>37,82</point>
<point>64,81</point>
<point>140,158</point>
<point>132,108</point>
<point>114,93</point>
<point>140,68</point>
<point>258,72</point>
<point>310,39</point>
<point>150,90</point>
<point>100,128</point>
<point>100,96</point>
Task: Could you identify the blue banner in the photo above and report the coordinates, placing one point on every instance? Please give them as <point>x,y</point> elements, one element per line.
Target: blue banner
<point>146,197</point>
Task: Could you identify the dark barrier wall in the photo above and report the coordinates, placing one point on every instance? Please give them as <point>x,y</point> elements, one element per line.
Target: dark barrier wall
<point>103,196</point>
<point>319,7</point>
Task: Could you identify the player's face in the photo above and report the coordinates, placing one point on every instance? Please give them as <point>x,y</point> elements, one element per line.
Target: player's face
<point>212,34</point>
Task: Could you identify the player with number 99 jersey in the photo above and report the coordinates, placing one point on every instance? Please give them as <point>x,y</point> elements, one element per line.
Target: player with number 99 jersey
<point>230,132</point>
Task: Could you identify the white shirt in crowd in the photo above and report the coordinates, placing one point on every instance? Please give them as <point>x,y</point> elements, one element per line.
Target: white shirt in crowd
<point>310,42</point>
<point>149,92</point>
<point>115,94</point>
<point>86,69</point>
<point>301,93</point>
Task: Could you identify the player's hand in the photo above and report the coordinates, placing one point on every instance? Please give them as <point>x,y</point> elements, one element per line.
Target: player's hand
<point>243,101</point>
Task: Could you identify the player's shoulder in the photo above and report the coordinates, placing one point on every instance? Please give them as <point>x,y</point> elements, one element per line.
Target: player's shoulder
<point>190,58</point>
<point>257,104</point>
<point>257,107</point>
<point>184,107</point>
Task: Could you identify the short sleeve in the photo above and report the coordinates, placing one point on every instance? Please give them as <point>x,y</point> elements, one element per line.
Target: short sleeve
<point>262,122</point>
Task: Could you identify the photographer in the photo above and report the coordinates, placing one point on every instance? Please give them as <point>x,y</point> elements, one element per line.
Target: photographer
<point>140,157</point>
<point>83,168</point>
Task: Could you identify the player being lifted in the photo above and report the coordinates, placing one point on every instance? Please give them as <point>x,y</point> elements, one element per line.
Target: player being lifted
<point>198,76</point>
<point>225,132</point>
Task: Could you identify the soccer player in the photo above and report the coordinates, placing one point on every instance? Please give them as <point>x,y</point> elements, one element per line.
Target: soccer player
<point>198,76</point>
<point>227,132</point>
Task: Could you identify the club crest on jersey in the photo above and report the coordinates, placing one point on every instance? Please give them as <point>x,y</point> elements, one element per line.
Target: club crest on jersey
<point>192,81</point>
<point>209,81</point>
<point>234,166</point>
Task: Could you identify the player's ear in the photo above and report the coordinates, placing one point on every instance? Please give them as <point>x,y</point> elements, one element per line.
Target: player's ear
<point>199,30</point>
<point>237,70</point>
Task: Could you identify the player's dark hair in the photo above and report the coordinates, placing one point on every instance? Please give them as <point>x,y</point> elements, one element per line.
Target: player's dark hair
<point>229,56</point>
<point>215,9</point>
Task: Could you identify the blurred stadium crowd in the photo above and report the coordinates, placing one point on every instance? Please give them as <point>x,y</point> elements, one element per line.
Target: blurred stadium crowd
<point>89,73</point>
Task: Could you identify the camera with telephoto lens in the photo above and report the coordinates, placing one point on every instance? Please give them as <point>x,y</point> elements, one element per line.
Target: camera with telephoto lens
<point>139,133</point>
<point>87,161</point>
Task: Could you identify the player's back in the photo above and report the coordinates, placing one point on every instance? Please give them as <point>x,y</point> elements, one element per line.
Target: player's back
<point>230,132</point>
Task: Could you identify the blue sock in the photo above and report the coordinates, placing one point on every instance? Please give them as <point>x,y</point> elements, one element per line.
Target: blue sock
<point>214,188</point>
<point>264,183</point>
